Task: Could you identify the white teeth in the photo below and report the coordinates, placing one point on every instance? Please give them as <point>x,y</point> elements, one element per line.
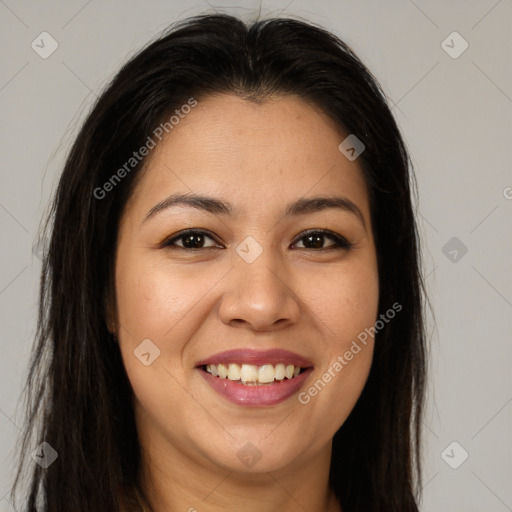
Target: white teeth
<point>234,372</point>
<point>266,373</point>
<point>248,373</point>
<point>251,374</point>
<point>222,369</point>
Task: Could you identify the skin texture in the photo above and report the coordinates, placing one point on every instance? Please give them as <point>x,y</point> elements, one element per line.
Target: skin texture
<point>191,305</point>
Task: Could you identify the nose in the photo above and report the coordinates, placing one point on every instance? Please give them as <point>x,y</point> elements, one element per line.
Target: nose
<point>259,296</point>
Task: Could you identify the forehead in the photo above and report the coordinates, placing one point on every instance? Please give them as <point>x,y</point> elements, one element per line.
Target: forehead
<point>252,153</point>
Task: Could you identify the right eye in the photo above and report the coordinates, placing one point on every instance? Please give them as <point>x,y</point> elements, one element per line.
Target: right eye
<point>191,239</point>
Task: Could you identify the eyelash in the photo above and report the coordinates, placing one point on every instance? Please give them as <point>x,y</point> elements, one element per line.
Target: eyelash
<point>341,243</point>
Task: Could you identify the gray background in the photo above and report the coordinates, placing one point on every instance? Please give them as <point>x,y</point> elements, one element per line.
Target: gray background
<point>455,114</point>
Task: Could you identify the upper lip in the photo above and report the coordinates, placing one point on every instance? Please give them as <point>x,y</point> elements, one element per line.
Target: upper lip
<point>257,358</point>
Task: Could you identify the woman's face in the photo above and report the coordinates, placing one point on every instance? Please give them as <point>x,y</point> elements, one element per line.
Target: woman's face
<point>252,288</point>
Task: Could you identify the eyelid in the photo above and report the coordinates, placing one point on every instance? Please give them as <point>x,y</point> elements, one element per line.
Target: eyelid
<point>180,234</point>
<point>341,243</point>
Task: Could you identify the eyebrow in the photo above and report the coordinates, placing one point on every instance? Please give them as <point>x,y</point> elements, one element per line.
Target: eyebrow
<point>215,206</point>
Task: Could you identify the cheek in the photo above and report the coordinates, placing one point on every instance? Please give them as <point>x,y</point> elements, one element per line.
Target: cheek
<point>346,303</point>
<point>345,299</point>
<point>154,303</point>
<point>153,298</point>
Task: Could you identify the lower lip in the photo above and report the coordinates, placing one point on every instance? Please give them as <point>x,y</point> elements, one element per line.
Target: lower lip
<point>256,396</point>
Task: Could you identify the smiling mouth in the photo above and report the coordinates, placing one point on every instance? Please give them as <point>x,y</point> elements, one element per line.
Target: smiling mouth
<point>252,375</point>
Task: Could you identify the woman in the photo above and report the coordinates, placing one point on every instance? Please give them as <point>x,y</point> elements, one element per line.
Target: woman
<point>231,302</point>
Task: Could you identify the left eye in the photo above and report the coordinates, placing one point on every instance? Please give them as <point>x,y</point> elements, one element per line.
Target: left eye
<point>316,238</point>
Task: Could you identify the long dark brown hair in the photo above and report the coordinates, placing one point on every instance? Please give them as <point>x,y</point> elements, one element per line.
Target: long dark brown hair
<point>78,396</point>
